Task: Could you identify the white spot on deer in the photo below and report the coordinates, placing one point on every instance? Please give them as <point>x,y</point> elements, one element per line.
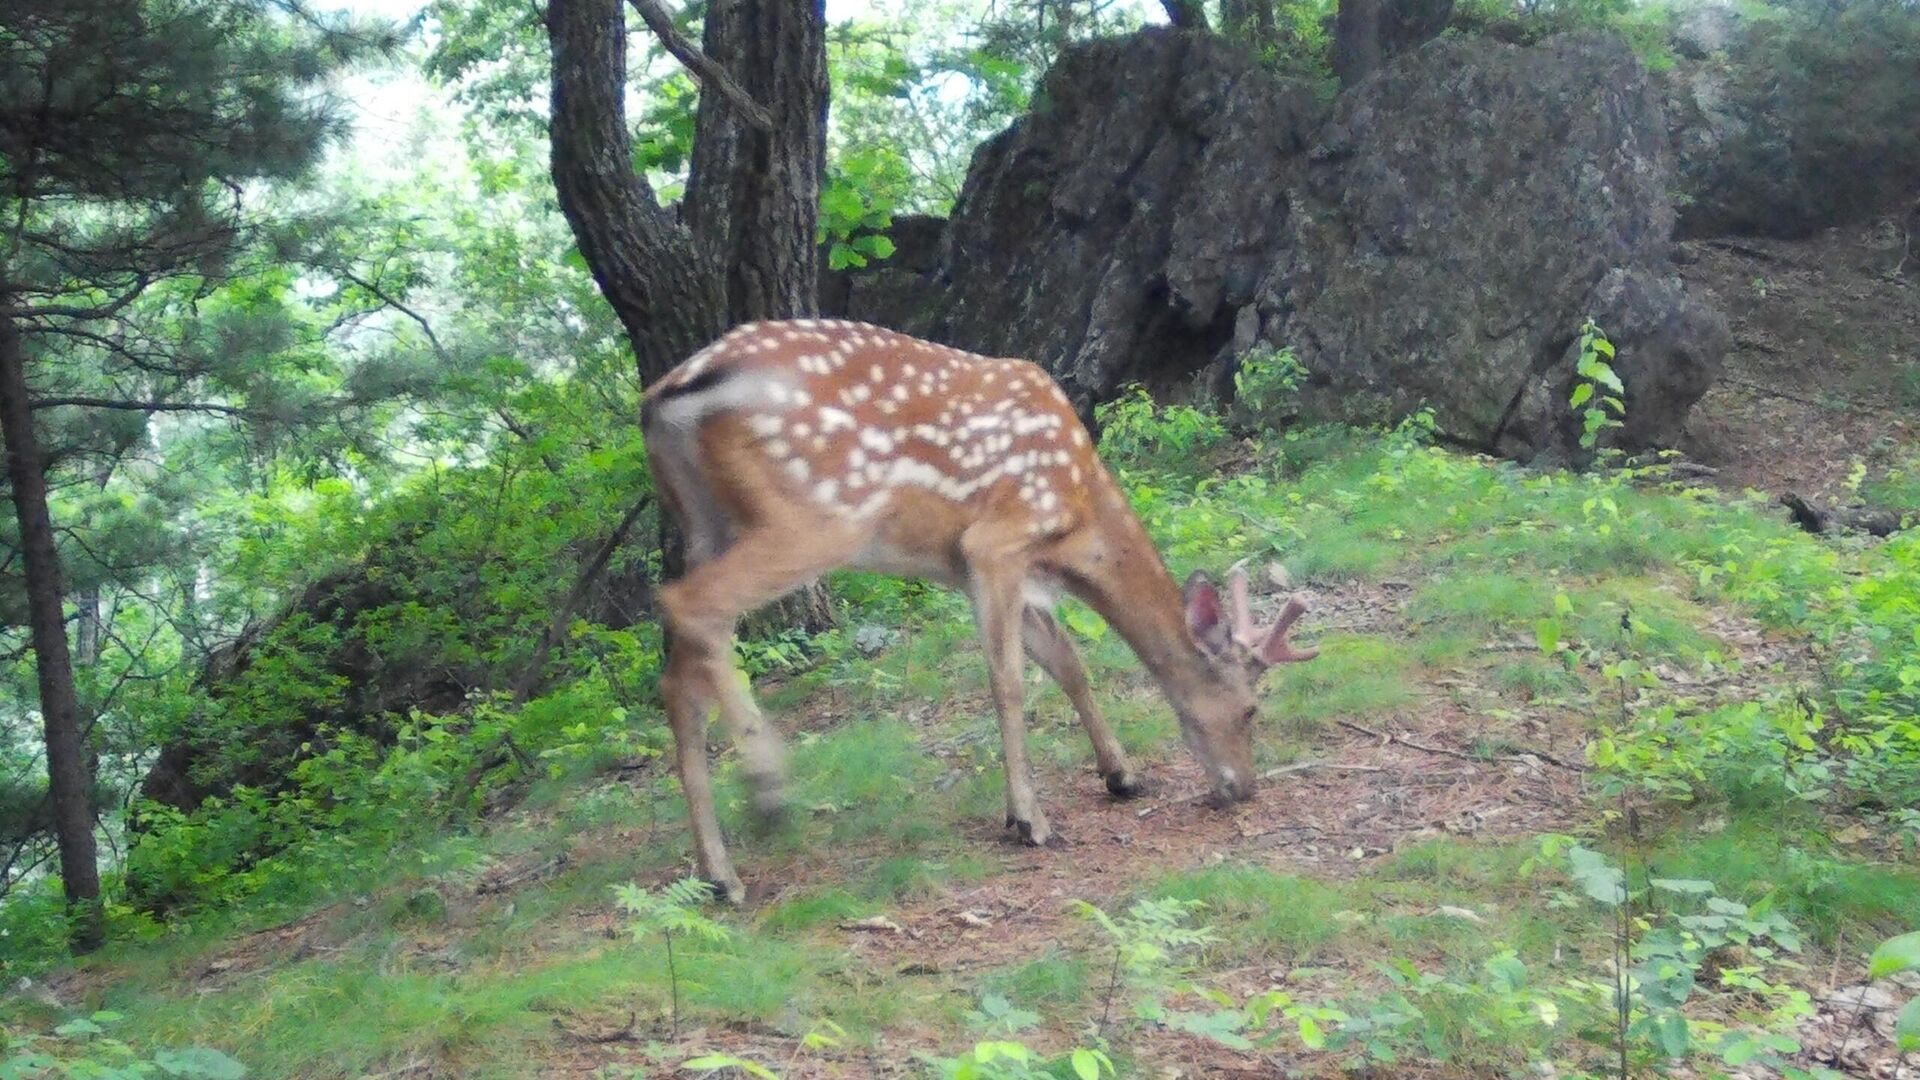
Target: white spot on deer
<point>1074,474</point>
<point>876,440</point>
<point>765,425</point>
<point>908,371</point>
<point>1048,500</point>
<point>900,391</point>
<point>801,431</point>
<point>1016,463</point>
<point>831,418</point>
<point>797,468</point>
<point>826,490</point>
<point>862,392</point>
<point>876,373</point>
<point>1079,436</point>
<point>779,449</point>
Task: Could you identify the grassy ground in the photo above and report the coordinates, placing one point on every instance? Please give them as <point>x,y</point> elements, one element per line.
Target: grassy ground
<point>1466,611</point>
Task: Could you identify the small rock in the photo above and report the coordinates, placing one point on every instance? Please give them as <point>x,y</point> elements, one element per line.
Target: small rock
<point>1452,912</point>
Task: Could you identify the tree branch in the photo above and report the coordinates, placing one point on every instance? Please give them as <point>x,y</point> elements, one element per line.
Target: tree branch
<point>711,75</point>
<point>386,298</point>
<point>139,406</point>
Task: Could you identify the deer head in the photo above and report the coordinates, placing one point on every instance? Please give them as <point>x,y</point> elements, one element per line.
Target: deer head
<point>1217,716</point>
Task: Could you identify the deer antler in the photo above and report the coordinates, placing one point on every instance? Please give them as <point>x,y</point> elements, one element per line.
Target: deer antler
<point>1272,646</point>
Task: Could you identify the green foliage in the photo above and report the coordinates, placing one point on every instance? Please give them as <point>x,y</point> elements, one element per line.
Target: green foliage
<point>83,1049</point>
<point>1891,957</point>
<point>857,203</point>
<point>1598,394</point>
<point>1266,382</point>
<point>672,909</point>
<point>1133,427</point>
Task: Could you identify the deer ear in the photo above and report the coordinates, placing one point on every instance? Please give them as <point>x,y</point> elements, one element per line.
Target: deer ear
<point>1206,619</point>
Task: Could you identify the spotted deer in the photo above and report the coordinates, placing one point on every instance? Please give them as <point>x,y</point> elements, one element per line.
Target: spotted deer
<point>790,449</point>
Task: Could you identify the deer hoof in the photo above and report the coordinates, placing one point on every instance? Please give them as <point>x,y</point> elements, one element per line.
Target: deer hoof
<point>1125,785</point>
<point>1034,833</point>
<point>728,890</point>
<point>770,812</point>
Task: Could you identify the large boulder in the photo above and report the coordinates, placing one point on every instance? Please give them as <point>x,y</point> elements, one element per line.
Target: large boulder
<point>1794,122</point>
<point>1463,213</point>
<point>1114,231</point>
<point>1437,241</point>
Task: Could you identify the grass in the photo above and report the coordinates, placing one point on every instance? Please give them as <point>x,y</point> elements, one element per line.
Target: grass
<point>898,793</point>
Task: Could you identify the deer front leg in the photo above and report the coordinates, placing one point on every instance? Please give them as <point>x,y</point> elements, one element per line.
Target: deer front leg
<point>1053,650</point>
<point>994,585</point>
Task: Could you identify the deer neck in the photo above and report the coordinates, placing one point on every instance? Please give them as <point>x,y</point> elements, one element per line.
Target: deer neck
<point>1136,594</point>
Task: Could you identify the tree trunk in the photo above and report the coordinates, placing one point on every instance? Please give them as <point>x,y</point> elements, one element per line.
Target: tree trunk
<point>1186,14</point>
<point>748,250</point>
<point>1356,40</point>
<point>667,297</point>
<point>1368,33</point>
<point>1249,22</point>
<point>69,778</point>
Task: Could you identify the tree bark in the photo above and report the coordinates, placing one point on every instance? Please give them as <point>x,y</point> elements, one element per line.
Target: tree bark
<point>667,297</point>
<point>748,248</point>
<point>69,776</point>
<point>1368,33</point>
<point>1356,40</point>
<point>1186,14</point>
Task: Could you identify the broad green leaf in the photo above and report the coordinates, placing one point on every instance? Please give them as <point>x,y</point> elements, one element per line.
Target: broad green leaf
<point>199,1063</point>
<point>1086,1064</point>
<point>1311,1034</point>
<point>1546,633</point>
<point>79,1029</point>
<point>1507,973</point>
<point>1895,955</point>
<point>1688,886</point>
<point>1672,1032</point>
<point>1906,1029</point>
<point>1580,394</point>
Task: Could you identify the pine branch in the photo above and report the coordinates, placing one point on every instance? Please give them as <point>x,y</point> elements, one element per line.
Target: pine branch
<point>138,406</point>
<point>710,73</point>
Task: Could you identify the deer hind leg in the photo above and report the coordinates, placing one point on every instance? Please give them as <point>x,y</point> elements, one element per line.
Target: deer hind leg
<point>1053,650</point>
<point>700,611</point>
<point>995,573</point>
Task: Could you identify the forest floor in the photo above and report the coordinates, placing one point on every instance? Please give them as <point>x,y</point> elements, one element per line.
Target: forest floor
<point>1397,850</point>
<point>1823,380</point>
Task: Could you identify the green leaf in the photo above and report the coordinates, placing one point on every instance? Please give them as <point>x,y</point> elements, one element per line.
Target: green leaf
<point>1311,1033</point>
<point>1580,394</point>
<point>1546,633</point>
<point>1603,346</point>
<point>1906,1029</point>
<point>716,1062</point>
<point>1895,955</point>
<point>1672,1032</point>
<point>79,1029</point>
<point>1507,973</point>
<point>1086,1064</point>
<point>199,1063</point>
<point>1600,880</point>
<point>1688,886</point>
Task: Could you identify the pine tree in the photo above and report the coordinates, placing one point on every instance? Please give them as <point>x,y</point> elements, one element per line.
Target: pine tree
<point>132,133</point>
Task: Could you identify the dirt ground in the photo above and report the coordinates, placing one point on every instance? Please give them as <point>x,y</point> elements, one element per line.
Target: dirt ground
<point>1825,364</point>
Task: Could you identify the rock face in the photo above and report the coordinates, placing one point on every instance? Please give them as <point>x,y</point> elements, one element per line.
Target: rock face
<point>1461,216</point>
<point>1437,240</point>
<point>1114,232</point>
<point>1784,126</point>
